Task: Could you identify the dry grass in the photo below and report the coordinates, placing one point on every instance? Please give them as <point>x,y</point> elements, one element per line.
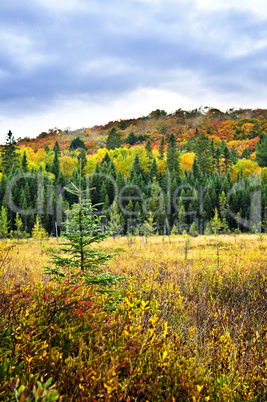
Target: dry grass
<point>143,259</point>
<point>191,309</point>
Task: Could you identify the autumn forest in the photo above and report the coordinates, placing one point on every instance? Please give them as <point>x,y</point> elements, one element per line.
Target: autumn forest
<point>157,174</point>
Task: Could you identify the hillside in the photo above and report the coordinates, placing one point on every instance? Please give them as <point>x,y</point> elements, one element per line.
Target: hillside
<point>234,125</point>
<point>155,174</point>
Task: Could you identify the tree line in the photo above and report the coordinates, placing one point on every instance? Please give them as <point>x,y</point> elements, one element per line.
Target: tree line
<point>145,202</point>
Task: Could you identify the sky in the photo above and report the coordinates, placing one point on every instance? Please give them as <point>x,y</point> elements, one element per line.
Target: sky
<point>78,63</point>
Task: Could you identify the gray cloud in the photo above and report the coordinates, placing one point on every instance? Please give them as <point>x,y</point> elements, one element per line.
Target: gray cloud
<point>111,48</point>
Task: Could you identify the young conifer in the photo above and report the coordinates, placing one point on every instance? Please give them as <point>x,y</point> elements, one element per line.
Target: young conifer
<point>79,259</point>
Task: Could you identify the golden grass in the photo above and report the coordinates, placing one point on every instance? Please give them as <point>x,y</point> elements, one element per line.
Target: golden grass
<point>212,313</point>
<point>145,260</point>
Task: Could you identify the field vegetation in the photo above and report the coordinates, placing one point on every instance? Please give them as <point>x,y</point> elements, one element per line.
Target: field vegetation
<point>188,323</point>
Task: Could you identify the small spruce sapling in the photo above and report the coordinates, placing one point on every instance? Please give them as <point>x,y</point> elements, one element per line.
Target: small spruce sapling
<point>79,259</point>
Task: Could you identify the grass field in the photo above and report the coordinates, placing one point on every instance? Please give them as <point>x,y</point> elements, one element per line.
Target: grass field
<point>190,323</point>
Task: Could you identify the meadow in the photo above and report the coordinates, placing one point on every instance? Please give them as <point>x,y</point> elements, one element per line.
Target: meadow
<point>188,323</point>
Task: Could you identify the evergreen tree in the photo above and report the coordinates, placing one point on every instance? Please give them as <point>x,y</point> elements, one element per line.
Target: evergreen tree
<point>114,139</point>
<point>95,185</point>
<point>82,159</point>
<point>204,154</point>
<point>131,139</point>
<point>61,179</point>
<point>38,231</point>
<point>115,221</point>
<point>55,165</point>
<point>261,152</point>
<point>173,160</point>
<point>77,143</point>
<point>148,228</point>
<point>106,160</point>
<point>136,167</point>
<point>148,148</point>
<point>216,223</point>
<point>120,181</point>
<point>56,148</point>
<point>9,154</point>
<point>79,258</point>
<point>19,226</point>
<point>4,222</point>
<point>24,163</point>
<point>161,148</point>
<point>153,171</point>
<point>155,204</point>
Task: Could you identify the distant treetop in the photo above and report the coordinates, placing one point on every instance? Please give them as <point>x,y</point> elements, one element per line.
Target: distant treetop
<point>77,143</point>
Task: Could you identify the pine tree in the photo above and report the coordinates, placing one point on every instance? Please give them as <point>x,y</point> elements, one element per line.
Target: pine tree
<point>19,226</point>
<point>131,139</point>
<point>4,222</point>
<point>80,259</point>
<point>148,148</point>
<point>55,166</point>
<point>216,223</point>
<point>38,231</point>
<point>261,152</point>
<point>9,154</point>
<point>115,221</point>
<point>82,159</point>
<point>148,228</point>
<point>114,139</point>
<point>77,143</point>
<point>153,171</point>
<point>173,160</point>
<point>204,154</point>
<point>161,148</point>
<point>106,159</point>
<point>136,167</point>
<point>24,163</point>
<point>56,148</point>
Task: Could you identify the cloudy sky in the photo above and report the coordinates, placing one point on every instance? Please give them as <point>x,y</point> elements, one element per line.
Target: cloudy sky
<point>77,63</point>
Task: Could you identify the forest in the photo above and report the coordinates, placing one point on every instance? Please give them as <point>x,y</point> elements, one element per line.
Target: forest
<point>159,174</point>
<point>133,260</point>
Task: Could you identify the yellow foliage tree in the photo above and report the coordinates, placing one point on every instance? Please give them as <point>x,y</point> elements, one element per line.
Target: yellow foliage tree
<point>67,164</point>
<point>187,161</point>
<point>247,167</point>
<point>38,231</point>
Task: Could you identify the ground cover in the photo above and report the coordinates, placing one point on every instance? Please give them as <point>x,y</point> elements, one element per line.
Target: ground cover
<point>190,323</point>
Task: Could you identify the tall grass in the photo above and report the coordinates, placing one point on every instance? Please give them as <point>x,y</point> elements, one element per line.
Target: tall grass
<point>185,329</point>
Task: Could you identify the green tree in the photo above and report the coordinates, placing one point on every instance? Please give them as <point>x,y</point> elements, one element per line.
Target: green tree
<point>56,148</point>
<point>77,143</point>
<point>161,148</point>
<point>9,154</point>
<point>136,167</point>
<point>173,161</point>
<point>79,258</point>
<point>148,228</point>
<point>82,159</point>
<point>216,223</point>
<point>46,148</point>
<point>115,221</point>
<point>148,148</point>
<point>55,166</point>
<point>4,222</point>
<point>24,163</point>
<point>114,139</point>
<point>131,139</point>
<point>204,154</point>
<point>38,231</point>
<point>261,152</point>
